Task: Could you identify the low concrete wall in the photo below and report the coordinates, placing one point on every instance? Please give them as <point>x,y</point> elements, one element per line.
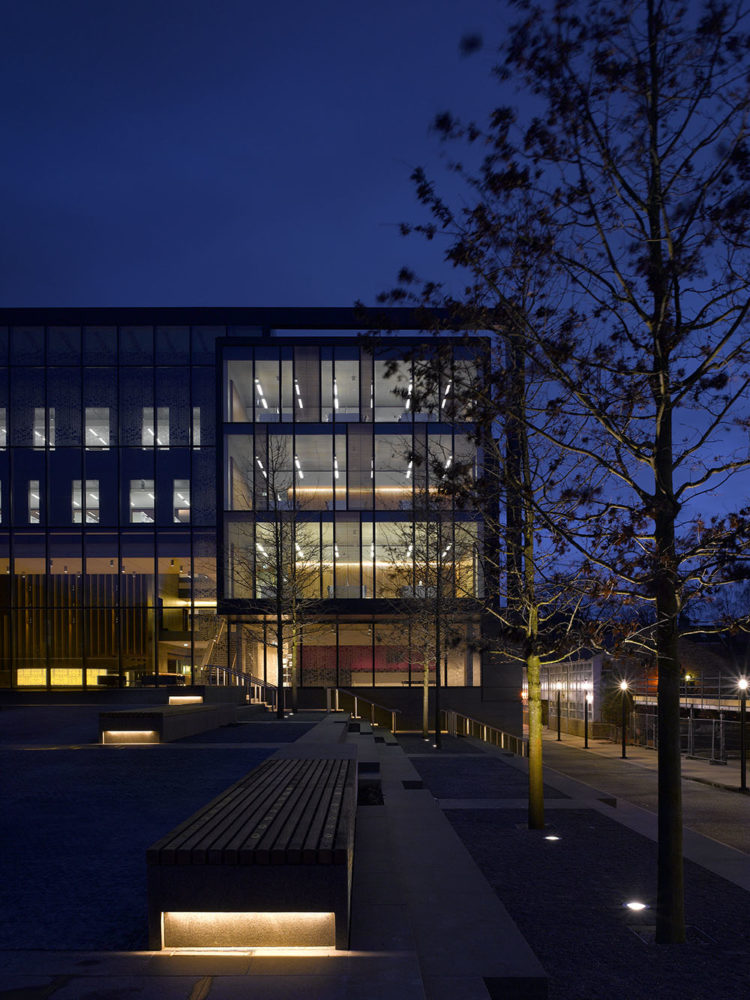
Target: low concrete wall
<point>124,696</point>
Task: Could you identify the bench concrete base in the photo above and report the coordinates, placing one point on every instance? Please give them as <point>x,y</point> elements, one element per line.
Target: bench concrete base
<point>162,723</point>
<point>271,906</point>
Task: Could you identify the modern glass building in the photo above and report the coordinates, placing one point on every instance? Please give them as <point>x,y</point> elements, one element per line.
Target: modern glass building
<point>173,482</point>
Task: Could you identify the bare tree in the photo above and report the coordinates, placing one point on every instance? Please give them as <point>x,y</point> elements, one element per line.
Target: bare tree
<point>632,176</point>
<point>279,568</point>
<point>428,563</point>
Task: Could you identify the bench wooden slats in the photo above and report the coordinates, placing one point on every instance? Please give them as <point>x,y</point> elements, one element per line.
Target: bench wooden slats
<point>287,811</point>
<point>300,837</point>
<point>209,842</point>
<point>315,849</point>
<point>245,824</point>
<point>255,847</point>
<point>244,791</point>
<point>276,842</point>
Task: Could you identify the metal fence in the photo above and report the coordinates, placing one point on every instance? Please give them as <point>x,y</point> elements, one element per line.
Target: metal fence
<point>716,739</point>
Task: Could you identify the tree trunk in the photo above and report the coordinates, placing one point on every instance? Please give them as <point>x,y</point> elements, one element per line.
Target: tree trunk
<point>670,917</point>
<point>426,699</point>
<point>536,782</point>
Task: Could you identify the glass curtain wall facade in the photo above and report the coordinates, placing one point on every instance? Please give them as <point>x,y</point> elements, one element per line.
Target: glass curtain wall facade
<point>107,502</point>
<point>135,540</point>
<point>331,513</point>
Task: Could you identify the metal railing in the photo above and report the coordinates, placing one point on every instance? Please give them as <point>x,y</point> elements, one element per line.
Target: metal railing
<point>713,739</point>
<point>457,724</point>
<point>263,691</point>
<point>339,699</point>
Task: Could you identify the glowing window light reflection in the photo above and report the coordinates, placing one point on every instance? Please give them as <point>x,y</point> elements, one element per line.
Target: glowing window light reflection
<point>215,931</point>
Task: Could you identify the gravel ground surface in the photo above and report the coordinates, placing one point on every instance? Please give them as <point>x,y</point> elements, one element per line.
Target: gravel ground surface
<point>567,897</point>
<point>74,828</point>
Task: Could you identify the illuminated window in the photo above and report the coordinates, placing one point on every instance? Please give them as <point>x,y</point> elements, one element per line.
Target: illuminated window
<point>44,432</point>
<point>97,427</point>
<point>142,501</point>
<point>181,501</point>
<point>196,426</point>
<point>34,501</point>
<point>155,427</point>
<point>85,502</point>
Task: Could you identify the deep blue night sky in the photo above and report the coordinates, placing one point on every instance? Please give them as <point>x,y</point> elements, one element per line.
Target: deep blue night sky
<point>183,152</point>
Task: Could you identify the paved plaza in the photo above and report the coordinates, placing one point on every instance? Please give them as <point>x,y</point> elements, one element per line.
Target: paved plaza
<point>453,896</point>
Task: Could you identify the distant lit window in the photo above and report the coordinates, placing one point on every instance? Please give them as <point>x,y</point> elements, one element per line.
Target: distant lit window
<point>44,429</point>
<point>196,426</point>
<point>181,501</point>
<point>142,501</point>
<point>155,427</point>
<point>97,427</point>
<point>3,427</point>
<point>34,502</point>
<point>85,501</point>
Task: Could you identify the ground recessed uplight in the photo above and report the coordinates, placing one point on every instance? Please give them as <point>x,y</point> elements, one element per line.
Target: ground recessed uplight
<point>635,906</point>
<point>551,836</point>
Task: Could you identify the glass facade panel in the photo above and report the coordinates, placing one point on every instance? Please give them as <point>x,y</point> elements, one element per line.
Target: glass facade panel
<point>136,397</point>
<point>100,345</point>
<point>392,384</point>
<point>97,427</point>
<point>346,385</point>
<point>27,345</point>
<point>85,501</point>
<point>107,446</point>
<point>172,345</point>
<point>34,502</point>
<point>181,501</point>
<point>142,501</point>
<point>64,407</point>
<point>26,396</point>
<point>63,345</point>
<point>267,396</point>
<point>136,345</point>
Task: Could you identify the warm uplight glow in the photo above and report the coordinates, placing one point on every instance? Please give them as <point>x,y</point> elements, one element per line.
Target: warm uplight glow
<point>248,930</point>
<point>636,906</point>
<point>551,836</point>
<point>130,736</point>
<point>186,699</point>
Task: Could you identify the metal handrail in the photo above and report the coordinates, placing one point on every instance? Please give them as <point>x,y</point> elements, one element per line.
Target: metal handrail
<point>457,724</point>
<point>333,705</point>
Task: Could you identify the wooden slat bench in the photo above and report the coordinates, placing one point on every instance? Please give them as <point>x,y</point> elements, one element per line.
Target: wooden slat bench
<point>268,863</point>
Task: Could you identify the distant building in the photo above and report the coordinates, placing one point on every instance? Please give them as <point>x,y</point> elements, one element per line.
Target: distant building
<point>135,509</point>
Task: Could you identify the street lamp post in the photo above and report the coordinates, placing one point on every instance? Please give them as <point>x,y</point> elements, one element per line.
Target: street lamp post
<point>623,695</point>
<point>743,719</point>
<point>586,702</point>
<point>558,686</point>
